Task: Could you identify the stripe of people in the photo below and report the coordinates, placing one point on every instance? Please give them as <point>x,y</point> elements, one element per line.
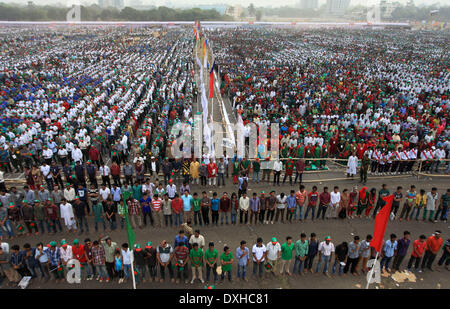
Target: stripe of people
<point>149,205</point>
<point>106,261</point>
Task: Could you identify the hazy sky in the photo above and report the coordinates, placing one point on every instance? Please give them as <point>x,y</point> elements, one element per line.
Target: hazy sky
<point>231,2</point>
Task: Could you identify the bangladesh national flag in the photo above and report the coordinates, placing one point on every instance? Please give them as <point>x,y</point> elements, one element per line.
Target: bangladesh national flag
<point>130,231</point>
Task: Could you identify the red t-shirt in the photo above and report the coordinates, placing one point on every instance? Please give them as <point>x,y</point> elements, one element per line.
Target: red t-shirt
<point>419,247</point>
<point>78,253</point>
<point>177,205</point>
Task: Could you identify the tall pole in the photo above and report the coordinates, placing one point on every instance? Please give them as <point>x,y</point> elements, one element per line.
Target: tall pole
<point>132,269</point>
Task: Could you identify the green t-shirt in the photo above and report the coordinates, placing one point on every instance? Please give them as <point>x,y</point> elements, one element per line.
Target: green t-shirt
<point>196,203</point>
<point>286,251</point>
<point>98,211</point>
<point>226,258</point>
<point>211,256</point>
<point>196,257</point>
<point>445,199</point>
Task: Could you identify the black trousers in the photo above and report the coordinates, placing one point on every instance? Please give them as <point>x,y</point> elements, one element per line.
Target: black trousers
<point>110,269</point>
<point>351,264</point>
<point>414,260</point>
<point>162,270</point>
<point>394,166</point>
<point>205,215</point>
<point>398,259</point>
<point>276,177</point>
<point>299,176</point>
<point>309,261</point>
<point>243,214</point>
<point>270,214</point>
<point>106,180</point>
<point>428,259</point>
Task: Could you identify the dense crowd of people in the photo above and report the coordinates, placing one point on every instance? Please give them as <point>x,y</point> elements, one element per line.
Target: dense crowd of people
<point>86,118</point>
<point>342,93</point>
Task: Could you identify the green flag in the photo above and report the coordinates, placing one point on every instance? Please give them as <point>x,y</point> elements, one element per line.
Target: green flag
<point>130,231</point>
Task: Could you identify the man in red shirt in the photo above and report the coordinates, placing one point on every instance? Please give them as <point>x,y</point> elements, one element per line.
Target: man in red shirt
<point>419,247</point>
<point>212,173</point>
<point>177,207</point>
<point>79,254</point>
<point>94,155</point>
<point>51,216</point>
<point>434,244</point>
<point>313,198</point>
<point>300,196</point>
<point>324,201</point>
<point>115,173</point>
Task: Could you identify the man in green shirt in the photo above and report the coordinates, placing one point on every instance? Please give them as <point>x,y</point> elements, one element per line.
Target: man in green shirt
<point>196,257</point>
<point>121,212</point>
<point>97,210</point>
<point>211,256</point>
<point>195,202</point>
<point>286,255</point>
<point>127,191</point>
<point>380,202</point>
<point>226,259</point>
<point>301,252</point>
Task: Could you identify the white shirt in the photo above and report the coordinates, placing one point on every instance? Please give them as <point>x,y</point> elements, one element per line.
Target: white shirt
<point>258,252</point>
<point>335,197</point>
<point>244,203</point>
<point>326,249</point>
<point>104,170</point>
<point>277,166</point>
<point>126,256</point>
<point>272,251</point>
<point>200,240</point>
<point>45,169</point>
<point>5,247</point>
<point>104,193</point>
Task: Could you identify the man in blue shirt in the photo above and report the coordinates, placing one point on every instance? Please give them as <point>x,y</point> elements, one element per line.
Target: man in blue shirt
<point>187,205</point>
<point>243,256</point>
<point>291,205</point>
<point>181,238</point>
<point>145,202</point>
<point>389,250</point>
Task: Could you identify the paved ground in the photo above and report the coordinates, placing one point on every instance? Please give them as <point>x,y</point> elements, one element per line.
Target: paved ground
<point>340,230</point>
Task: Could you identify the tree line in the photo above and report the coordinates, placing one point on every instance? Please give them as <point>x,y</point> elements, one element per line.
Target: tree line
<point>96,13</point>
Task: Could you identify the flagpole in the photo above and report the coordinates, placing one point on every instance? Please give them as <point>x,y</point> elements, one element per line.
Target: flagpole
<point>371,271</point>
<point>132,269</point>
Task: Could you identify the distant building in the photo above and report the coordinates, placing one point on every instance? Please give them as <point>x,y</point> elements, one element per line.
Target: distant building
<point>387,7</point>
<point>234,11</point>
<point>337,7</point>
<point>308,4</point>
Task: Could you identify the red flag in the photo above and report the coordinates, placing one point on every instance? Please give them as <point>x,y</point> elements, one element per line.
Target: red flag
<point>211,84</point>
<point>381,221</point>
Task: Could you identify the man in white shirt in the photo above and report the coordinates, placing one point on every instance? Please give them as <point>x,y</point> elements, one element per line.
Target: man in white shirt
<point>104,193</point>
<point>171,189</point>
<point>326,249</point>
<point>45,170</point>
<point>67,215</point>
<point>335,201</point>
<point>259,253</point>
<point>439,154</point>
<point>105,172</point>
<point>273,253</point>
<point>277,167</point>
<point>197,238</point>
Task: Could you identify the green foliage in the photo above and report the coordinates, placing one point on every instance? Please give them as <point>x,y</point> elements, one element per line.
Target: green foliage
<point>95,13</point>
